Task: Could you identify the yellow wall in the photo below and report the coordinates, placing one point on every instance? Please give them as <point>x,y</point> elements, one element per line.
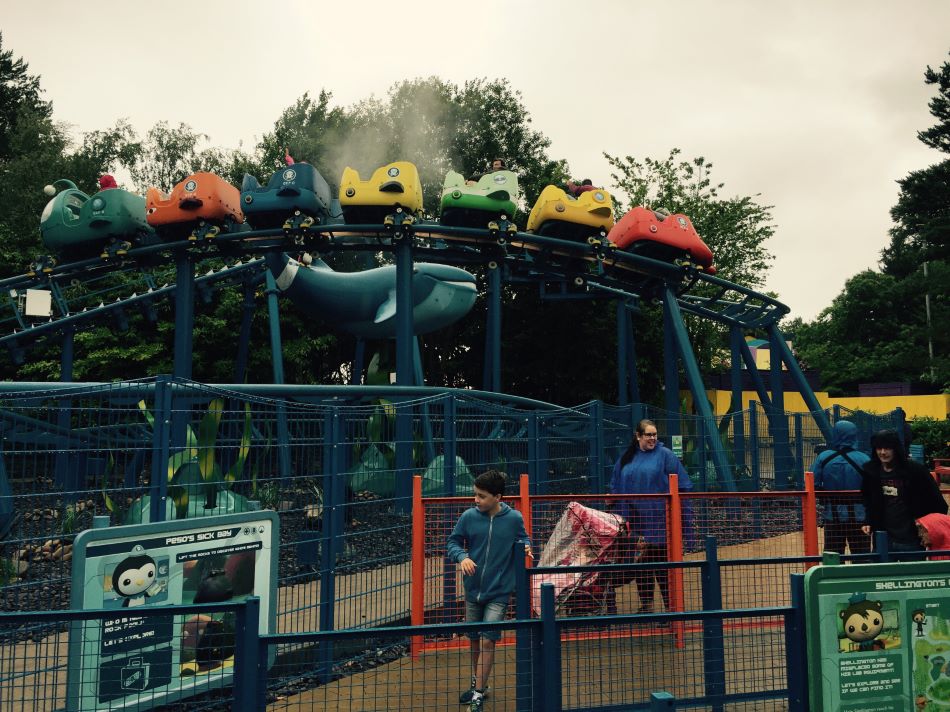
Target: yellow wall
<point>935,406</point>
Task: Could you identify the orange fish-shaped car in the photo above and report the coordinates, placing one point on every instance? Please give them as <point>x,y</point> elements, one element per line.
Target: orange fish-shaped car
<point>203,203</point>
<point>661,236</point>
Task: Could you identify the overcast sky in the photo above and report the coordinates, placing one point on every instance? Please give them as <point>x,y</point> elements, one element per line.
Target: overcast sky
<point>814,105</point>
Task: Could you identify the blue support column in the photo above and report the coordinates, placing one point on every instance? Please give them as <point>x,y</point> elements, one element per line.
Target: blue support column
<point>184,314</point>
<point>404,374</point>
<point>782,452</point>
<point>244,339</point>
<point>623,326</point>
<point>735,367</point>
<point>752,369</point>
<point>675,319</point>
<point>714,653</point>
<point>277,359</point>
<point>492,370</point>
<point>778,345</point>
<point>273,318</point>
<point>671,378</point>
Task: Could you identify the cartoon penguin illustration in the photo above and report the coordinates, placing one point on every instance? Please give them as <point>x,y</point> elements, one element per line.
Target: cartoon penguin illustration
<point>133,577</point>
<point>863,621</point>
<point>919,617</point>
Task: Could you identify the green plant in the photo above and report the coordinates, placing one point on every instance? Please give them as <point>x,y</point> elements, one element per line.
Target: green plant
<point>8,572</point>
<point>933,434</point>
<point>193,470</point>
<point>67,524</point>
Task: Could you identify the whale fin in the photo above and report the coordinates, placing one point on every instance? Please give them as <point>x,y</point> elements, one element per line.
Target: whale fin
<point>387,310</point>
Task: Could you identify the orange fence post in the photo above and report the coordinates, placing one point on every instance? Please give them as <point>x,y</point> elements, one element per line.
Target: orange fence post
<point>417,578</point>
<point>810,517</point>
<point>676,554</point>
<point>524,498</point>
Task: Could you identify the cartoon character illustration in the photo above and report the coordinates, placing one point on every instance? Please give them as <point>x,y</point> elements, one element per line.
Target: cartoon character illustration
<point>919,617</point>
<point>134,578</point>
<point>863,621</point>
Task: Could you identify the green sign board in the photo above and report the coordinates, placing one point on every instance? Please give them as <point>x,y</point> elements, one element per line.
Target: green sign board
<point>676,445</point>
<point>878,637</point>
<point>137,662</point>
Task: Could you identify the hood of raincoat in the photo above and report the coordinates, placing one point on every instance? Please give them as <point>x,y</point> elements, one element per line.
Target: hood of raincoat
<point>844,435</point>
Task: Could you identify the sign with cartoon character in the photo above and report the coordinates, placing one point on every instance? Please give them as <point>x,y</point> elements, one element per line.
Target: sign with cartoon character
<point>878,637</point>
<point>133,661</point>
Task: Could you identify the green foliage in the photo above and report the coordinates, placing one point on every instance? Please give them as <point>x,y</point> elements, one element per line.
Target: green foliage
<point>169,154</point>
<point>933,434</point>
<point>19,97</point>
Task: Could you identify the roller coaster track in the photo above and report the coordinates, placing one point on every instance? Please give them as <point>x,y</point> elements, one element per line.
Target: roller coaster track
<point>93,291</point>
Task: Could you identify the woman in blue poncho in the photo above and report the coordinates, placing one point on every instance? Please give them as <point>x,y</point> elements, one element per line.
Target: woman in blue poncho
<point>645,468</point>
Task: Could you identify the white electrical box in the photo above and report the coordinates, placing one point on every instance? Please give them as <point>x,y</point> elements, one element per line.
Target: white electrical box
<point>39,302</point>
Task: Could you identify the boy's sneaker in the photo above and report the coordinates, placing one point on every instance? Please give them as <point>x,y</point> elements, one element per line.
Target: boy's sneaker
<point>477,703</point>
<point>466,697</point>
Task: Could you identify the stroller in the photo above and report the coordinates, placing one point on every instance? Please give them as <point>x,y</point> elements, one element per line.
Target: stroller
<point>581,536</point>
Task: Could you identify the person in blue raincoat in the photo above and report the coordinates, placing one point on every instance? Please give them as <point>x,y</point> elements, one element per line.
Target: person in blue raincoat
<point>644,468</point>
<point>839,468</point>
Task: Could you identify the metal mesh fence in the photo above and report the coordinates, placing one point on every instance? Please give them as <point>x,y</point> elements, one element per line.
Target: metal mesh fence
<point>337,470</point>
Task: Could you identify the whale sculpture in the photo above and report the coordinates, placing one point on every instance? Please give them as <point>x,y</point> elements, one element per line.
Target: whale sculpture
<point>364,303</point>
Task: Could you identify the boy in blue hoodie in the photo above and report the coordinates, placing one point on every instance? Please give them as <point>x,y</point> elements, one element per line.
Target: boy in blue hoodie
<point>483,545</point>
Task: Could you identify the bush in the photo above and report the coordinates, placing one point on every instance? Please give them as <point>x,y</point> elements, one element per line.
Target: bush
<point>934,435</point>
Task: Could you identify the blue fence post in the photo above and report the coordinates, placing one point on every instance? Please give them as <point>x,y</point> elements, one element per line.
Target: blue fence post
<point>449,446</point>
<point>701,452</point>
<point>714,653</point>
<point>799,454</point>
<point>738,435</point>
<point>247,658</point>
<point>330,535</point>
<point>881,546</point>
<point>545,469</point>
<point>534,466</point>
<point>551,651</point>
<point>796,662</point>
<point>596,447</point>
<point>158,481</point>
<point>524,684</point>
<point>754,446</point>
<point>660,701</point>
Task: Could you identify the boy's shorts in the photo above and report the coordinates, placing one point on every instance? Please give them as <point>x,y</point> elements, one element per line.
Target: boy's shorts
<point>487,612</point>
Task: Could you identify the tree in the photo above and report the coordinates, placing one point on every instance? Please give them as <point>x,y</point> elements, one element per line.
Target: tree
<point>735,229</point>
<point>19,99</point>
<point>921,217</point>
<point>168,155</point>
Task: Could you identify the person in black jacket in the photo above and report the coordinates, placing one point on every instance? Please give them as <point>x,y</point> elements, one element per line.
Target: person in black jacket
<point>897,492</point>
